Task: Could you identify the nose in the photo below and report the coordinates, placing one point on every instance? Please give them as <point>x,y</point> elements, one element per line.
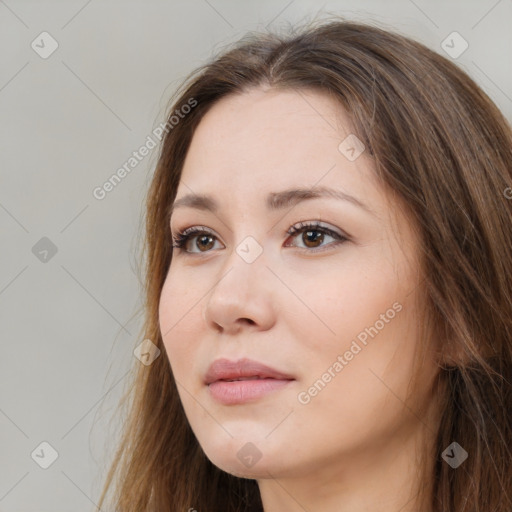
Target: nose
<point>241,296</point>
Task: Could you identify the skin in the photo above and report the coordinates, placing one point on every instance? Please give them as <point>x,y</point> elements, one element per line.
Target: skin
<point>353,446</point>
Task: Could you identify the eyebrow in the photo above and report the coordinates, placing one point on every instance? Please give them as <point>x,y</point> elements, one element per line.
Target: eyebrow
<point>275,200</point>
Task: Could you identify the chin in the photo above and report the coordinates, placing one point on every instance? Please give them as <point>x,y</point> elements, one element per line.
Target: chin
<point>237,456</point>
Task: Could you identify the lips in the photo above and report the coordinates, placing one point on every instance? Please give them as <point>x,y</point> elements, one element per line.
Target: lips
<point>244,381</point>
<point>242,369</point>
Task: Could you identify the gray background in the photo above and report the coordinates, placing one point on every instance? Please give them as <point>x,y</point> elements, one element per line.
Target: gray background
<point>69,325</point>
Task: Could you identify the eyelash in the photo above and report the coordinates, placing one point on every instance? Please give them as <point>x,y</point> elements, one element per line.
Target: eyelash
<point>181,238</point>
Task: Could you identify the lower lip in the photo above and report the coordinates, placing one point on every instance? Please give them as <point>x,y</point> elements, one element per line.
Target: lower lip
<point>241,391</point>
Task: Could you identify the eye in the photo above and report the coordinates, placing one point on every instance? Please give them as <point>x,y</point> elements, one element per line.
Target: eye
<point>313,232</point>
<point>313,236</point>
<point>181,239</point>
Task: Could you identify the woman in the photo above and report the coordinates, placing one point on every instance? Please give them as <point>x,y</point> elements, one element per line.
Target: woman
<point>329,242</point>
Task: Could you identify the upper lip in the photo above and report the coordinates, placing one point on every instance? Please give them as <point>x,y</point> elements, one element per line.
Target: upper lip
<point>224,369</point>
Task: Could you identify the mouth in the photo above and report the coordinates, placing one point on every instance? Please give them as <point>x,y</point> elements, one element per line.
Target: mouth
<point>245,380</point>
<point>243,390</point>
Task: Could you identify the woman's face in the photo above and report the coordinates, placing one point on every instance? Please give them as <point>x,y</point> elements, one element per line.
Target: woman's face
<point>332,307</point>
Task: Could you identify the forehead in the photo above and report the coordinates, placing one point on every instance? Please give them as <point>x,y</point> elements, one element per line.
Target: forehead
<point>265,139</point>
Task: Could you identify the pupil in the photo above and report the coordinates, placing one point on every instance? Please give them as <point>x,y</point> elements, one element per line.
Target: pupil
<point>203,238</point>
<point>314,238</point>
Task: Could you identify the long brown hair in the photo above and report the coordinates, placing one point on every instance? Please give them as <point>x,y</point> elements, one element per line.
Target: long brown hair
<point>445,149</point>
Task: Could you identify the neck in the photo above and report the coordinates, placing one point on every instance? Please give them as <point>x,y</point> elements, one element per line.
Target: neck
<point>375,478</point>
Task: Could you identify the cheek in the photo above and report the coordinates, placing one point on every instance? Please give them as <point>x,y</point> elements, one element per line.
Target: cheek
<point>369,319</point>
<point>348,300</point>
<point>179,322</point>
<point>369,381</point>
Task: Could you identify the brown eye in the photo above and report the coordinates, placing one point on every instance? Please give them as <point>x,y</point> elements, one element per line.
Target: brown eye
<point>204,241</point>
<point>313,234</point>
<point>312,237</point>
